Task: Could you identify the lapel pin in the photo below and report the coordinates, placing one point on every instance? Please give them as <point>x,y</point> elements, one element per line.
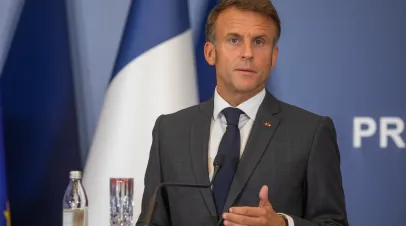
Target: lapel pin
<point>268,124</point>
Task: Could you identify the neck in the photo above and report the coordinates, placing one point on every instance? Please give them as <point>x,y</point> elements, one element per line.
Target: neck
<point>235,98</point>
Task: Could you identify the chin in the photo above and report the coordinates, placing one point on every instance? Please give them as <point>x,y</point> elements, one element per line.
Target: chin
<point>245,88</point>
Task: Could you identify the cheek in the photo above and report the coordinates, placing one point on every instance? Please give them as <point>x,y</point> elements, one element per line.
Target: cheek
<point>226,62</point>
<point>264,62</point>
<point>264,54</point>
<point>229,53</point>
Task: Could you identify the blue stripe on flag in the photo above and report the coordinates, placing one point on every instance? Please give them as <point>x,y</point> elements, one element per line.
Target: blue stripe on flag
<point>5,216</point>
<point>40,130</point>
<point>206,73</point>
<point>150,23</point>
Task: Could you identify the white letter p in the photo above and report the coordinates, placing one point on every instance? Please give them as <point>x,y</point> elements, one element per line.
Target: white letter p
<point>359,132</point>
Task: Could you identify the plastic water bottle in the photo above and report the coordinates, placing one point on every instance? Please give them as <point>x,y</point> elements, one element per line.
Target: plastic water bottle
<point>75,202</point>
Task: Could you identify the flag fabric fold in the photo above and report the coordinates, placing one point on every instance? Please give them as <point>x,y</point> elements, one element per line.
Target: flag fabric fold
<point>41,140</point>
<point>206,74</point>
<point>4,204</point>
<point>154,74</point>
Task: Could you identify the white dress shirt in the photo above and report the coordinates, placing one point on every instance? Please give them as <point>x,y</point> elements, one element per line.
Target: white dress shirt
<point>219,124</point>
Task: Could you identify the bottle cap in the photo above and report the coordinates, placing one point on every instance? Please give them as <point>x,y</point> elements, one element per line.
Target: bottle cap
<point>75,175</point>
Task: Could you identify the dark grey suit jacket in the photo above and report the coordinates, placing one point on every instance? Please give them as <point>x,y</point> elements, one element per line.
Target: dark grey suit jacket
<point>297,157</point>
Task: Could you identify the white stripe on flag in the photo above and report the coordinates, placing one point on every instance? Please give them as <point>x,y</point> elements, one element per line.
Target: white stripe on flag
<point>160,81</point>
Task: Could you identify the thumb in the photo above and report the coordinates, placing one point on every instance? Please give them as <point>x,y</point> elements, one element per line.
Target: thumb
<point>263,197</point>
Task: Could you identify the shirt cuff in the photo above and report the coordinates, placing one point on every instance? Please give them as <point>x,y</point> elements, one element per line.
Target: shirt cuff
<point>289,218</point>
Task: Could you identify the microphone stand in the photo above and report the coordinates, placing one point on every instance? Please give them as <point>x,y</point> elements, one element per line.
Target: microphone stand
<point>218,162</point>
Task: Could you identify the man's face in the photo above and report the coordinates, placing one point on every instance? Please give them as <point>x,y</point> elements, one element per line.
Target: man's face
<point>243,52</point>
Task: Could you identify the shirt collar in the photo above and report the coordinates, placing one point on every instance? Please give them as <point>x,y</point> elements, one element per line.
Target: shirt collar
<point>249,107</point>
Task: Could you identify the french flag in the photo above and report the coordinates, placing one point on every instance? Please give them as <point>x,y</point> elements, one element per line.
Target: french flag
<point>154,74</point>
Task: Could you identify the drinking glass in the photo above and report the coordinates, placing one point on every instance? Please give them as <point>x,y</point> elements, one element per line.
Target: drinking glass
<point>121,201</point>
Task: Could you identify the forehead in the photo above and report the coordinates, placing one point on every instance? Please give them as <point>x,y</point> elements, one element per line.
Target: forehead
<point>244,21</point>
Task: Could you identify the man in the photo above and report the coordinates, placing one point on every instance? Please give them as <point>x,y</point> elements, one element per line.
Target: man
<point>281,163</point>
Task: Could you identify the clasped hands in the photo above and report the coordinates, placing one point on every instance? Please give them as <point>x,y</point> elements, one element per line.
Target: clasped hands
<point>263,215</point>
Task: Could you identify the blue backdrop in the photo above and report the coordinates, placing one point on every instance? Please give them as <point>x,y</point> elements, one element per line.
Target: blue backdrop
<point>346,59</point>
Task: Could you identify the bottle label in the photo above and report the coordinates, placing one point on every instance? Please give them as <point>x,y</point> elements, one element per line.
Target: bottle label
<point>75,217</point>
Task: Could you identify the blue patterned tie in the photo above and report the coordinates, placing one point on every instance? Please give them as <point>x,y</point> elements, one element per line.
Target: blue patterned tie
<point>230,148</point>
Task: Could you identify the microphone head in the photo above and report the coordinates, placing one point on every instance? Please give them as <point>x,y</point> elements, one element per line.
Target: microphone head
<point>219,160</point>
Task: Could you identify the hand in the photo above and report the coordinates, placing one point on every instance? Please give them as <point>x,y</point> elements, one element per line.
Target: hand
<point>263,215</point>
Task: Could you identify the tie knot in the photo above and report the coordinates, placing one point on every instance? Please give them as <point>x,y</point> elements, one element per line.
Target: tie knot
<point>232,115</point>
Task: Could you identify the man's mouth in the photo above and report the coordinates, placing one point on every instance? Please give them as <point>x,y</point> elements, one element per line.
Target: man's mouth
<point>248,70</point>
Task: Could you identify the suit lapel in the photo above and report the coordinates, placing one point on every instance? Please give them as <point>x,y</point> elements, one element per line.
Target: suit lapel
<point>200,134</point>
<point>261,133</point>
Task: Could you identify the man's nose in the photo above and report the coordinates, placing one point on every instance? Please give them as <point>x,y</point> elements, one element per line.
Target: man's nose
<point>247,51</point>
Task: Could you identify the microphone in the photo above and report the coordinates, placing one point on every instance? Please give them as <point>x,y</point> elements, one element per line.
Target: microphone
<point>217,164</point>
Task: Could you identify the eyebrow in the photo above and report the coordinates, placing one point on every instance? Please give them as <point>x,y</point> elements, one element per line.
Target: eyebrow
<point>233,34</point>
<point>261,37</point>
<point>255,37</point>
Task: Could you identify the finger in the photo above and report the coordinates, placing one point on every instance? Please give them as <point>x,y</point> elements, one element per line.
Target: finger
<point>241,219</point>
<point>229,223</point>
<point>249,211</point>
<point>263,197</point>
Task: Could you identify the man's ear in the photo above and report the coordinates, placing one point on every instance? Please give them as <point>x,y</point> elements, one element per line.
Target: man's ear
<point>274,55</point>
<point>210,53</point>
